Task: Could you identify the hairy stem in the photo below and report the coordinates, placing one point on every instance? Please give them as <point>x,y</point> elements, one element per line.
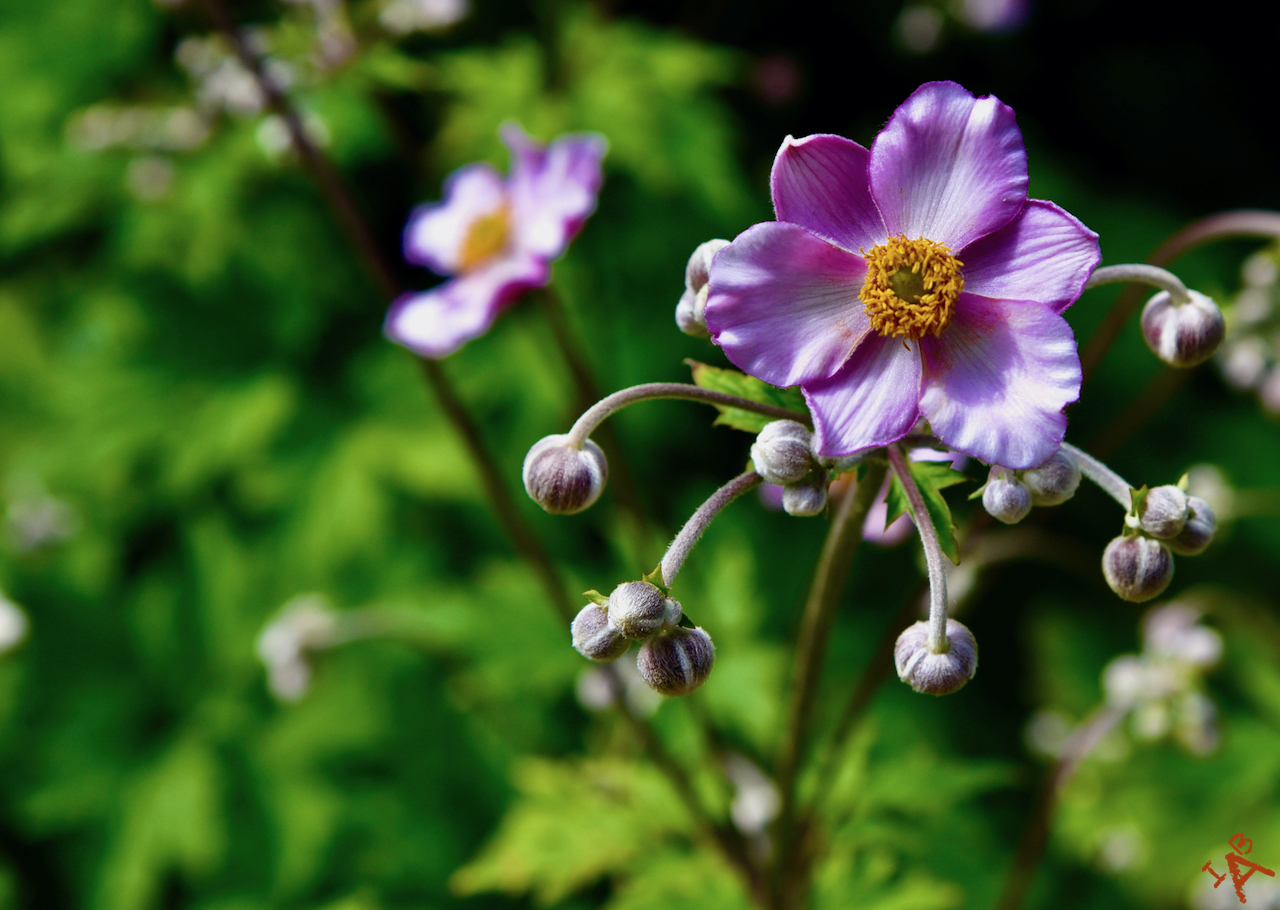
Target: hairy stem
<point>1140,273</point>
<point>691,533</point>
<point>1111,483</point>
<point>933,555</point>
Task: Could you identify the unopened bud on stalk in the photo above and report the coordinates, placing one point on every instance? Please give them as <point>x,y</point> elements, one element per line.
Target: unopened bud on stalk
<point>593,637</point>
<point>1163,511</point>
<point>1137,568</point>
<point>781,452</point>
<point>931,673</point>
<point>805,499</point>
<point>1185,334</point>
<point>563,479</point>
<point>691,310</point>
<point>677,661</point>
<point>1054,482</point>
<point>1005,497</point>
<point>637,609</point>
<point>1197,533</point>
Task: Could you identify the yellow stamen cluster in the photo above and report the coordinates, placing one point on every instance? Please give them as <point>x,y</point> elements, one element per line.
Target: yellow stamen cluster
<point>911,287</point>
<point>485,238</point>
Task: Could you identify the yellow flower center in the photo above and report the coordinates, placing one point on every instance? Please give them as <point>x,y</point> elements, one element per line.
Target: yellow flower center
<point>911,287</point>
<point>486,237</point>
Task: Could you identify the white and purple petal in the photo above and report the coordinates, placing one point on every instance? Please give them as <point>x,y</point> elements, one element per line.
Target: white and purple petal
<point>822,183</point>
<point>437,322</point>
<point>553,188</point>
<point>435,233</point>
<point>784,304</point>
<point>949,167</point>
<point>872,401</point>
<point>996,381</point>
<point>1044,254</point>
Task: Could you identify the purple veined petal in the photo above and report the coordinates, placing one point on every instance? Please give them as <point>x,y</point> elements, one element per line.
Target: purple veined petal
<point>553,188</point>
<point>948,166</point>
<point>437,322</point>
<point>821,182</point>
<point>436,233</point>
<point>1044,254</point>
<point>784,304</point>
<point>997,379</point>
<point>872,401</point>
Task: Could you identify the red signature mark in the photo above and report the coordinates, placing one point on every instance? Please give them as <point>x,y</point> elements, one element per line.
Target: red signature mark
<point>1235,864</point>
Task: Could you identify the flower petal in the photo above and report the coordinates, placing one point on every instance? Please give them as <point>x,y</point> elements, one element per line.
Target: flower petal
<point>784,304</point>
<point>872,401</point>
<point>553,188</point>
<point>996,381</point>
<point>949,167</point>
<point>435,233</point>
<point>821,183</point>
<point>1044,254</point>
<point>436,323</point>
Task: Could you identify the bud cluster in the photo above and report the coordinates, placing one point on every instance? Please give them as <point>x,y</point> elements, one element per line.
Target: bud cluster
<point>1009,495</point>
<point>1250,358</point>
<point>691,310</point>
<point>1164,520</point>
<point>782,454</point>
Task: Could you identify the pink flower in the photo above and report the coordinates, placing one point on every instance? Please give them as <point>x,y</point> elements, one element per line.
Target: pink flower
<point>912,280</point>
<point>496,237</point>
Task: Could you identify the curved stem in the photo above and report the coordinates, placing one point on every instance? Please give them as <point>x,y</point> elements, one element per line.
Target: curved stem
<point>933,555</point>
<point>1112,483</point>
<point>597,413</point>
<point>689,535</point>
<point>1140,273</point>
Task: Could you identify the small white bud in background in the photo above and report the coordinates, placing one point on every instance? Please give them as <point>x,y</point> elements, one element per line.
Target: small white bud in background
<point>1005,497</point>
<point>936,674</point>
<point>304,624</point>
<point>1163,511</point>
<point>1197,533</point>
<point>13,624</point>
<point>594,638</point>
<point>1182,335</point>
<point>804,500</point>
<point>1137,568</point>
<point>637,610</point>
<point>691,310</point>
<point>1054,482</point>
<point>677,661</point>
<point>562,479</point>
<point>781,452</point>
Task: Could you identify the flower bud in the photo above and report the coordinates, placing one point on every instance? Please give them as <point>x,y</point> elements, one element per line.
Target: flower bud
<point>637,609</point>
<point>781,452</point>
<point>1163,511</point>
<point>677,661</point>
<point>691,310</point>
<point>1054,482</point>
<point>1006,497</point>
<point>1197,533</point>
<point>593,637</point>
<point>805,499</point>
<point>1182,335</point>
<point>562,479</point>
<point>1137,568</point>
<point>936,674</point>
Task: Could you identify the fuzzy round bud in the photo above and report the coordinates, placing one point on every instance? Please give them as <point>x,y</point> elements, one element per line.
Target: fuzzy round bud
<point>1137,568</point>
<point>805,499</point>
<point>936,674</point>
<point>637,609</point>
<point>1197,533</point>
<point>691,310</point>
<point>562,479</point>
<point>1182,334</point>
<point>1163,512</point>
<point>677,661</point>
<point>1054,482</point>
<point>781,452</point>
<point>593,637</point>
<point>1006,497</point>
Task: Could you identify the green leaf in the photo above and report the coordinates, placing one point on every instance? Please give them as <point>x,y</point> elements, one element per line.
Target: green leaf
<point>931,477</point>
<point>655,577</point>
<point>596,598</point>
<point>732,382</point>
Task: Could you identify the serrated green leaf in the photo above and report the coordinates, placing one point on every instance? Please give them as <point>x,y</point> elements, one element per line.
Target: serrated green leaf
<point>931,477</point>
<point>655,577</point>
<point>732,382</point>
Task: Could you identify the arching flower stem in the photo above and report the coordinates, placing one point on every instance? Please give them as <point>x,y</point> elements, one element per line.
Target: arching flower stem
<point>689,535</point>
<point>598,412</point>
<point>933,556</point>
<point>1112,483</point>
<point>1142,273</point>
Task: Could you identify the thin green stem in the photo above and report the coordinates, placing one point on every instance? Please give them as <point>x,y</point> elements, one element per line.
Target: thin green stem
<point>933,555</point>
<point>1111,483</point>
<point>691,533</point>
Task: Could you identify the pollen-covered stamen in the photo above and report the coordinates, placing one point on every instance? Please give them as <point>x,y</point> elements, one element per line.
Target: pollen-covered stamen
<point>486,237</point>
<point>911,287</point>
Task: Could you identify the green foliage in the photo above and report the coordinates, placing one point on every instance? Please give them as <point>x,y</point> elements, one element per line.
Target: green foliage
<point>733,382</point>
<point>931,478</point>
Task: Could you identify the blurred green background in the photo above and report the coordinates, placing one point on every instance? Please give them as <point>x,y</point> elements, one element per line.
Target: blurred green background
<point>200,421</point>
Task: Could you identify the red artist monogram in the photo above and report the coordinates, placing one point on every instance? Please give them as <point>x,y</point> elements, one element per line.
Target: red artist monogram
<point>1235,864</point>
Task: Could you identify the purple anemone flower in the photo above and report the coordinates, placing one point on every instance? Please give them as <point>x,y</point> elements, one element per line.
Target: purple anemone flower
<point>912,280</point>
<point>497,238</point>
